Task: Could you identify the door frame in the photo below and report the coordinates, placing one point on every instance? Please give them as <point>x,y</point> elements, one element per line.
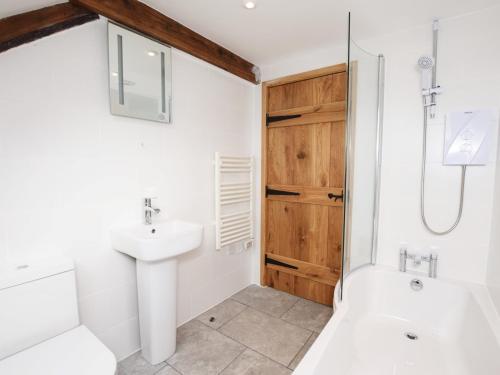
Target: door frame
<point>339,68</point>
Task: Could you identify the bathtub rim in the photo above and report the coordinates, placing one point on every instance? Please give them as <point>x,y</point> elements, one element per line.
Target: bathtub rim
<point>313,357</point>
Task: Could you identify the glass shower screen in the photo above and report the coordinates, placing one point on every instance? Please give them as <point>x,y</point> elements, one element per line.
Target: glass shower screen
<point>362,157</point>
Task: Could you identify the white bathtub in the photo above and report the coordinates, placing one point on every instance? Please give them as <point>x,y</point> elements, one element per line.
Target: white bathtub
<point>456,325</point>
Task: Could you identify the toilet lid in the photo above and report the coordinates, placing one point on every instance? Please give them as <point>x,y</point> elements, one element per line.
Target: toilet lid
<point>76,352</point>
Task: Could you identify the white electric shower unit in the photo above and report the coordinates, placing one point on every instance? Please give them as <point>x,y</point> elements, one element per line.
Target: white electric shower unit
<point>467,140</point>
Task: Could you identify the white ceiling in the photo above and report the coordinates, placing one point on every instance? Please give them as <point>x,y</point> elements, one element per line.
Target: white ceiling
<point>279,28</point>
<point>11,7</point>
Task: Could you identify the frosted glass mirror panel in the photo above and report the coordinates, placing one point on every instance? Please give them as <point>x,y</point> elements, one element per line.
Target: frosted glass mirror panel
<point>140,76</point>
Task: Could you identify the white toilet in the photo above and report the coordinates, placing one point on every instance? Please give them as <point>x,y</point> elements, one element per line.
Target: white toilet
<point>40,331</point>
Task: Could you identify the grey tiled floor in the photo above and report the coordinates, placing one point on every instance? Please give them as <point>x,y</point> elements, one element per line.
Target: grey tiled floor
<point>258,331</point>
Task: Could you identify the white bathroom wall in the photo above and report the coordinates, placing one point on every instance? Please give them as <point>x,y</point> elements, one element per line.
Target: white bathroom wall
<point>69,171</point>
<point>493,274</point>
<point>257,152</point>
<point>468,72</point>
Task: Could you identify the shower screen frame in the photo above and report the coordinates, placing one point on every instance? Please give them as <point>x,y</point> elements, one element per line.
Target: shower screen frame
<point>350,163</point>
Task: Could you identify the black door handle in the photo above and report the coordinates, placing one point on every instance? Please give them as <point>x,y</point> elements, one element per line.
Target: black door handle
<point>336,196</point>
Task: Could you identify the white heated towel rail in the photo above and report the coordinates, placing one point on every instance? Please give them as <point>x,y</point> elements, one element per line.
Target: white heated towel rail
<point>233,199</point>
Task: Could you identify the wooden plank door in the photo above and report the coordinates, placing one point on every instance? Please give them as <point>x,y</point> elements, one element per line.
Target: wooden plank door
<point>303,181</point>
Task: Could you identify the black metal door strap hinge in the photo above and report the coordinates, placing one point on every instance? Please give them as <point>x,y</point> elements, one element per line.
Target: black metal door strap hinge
<point>336,196</point>
<point>270,119</point>
<point>279,192</point>
<point>278,263</point>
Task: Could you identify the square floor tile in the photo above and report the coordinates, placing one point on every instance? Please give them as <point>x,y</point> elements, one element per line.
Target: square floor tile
<point>202,350</point>
<point>268,300</point>
<point>309,315</point>
<point>303,351</point>
<point>270,336</point>
<point>220,314</point>
<point>167,370</point>
<point>137,365</point>
<point>253,363</point>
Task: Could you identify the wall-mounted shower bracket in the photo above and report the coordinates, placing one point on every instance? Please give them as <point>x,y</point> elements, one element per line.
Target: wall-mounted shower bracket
<point>432,91</point>
<point>430,99</point>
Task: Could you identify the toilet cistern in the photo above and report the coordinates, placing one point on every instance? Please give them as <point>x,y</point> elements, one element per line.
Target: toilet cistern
<point>148,211</point>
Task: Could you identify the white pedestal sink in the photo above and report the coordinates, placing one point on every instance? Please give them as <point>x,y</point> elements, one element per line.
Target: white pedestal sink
<point>155,248</point>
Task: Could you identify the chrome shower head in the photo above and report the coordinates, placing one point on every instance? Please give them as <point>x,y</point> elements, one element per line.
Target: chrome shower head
<point>426,63</point>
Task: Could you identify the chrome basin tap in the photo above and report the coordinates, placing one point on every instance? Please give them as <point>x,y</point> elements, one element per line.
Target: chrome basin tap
<point>148,211</point>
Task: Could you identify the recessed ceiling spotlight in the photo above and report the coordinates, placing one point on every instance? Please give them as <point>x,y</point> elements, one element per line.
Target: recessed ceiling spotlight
<point>152,53</point>
<point>249,4</point>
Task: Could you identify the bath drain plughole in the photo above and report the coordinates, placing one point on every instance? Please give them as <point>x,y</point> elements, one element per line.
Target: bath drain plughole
<point>411,336</point>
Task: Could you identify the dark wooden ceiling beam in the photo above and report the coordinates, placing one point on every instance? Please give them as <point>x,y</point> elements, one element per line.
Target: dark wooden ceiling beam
<point>27,27</point>
<point>148,21</point>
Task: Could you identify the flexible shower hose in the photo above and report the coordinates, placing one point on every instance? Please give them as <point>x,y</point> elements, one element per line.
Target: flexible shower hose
<point>422,185</point>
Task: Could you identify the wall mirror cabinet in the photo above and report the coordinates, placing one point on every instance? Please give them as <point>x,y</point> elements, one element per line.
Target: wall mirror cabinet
<point>140,76</point>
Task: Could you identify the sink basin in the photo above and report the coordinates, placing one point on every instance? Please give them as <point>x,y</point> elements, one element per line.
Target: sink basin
<point>155,248</point>
<point>159,241</point>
